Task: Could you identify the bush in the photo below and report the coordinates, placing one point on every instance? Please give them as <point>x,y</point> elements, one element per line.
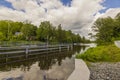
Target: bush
<point>108,53</point>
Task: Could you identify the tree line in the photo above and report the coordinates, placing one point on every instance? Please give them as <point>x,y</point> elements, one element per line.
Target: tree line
<point>107,29</point>
<point>46,32</point>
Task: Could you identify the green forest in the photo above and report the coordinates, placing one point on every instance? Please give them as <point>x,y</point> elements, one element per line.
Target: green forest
<point>46,32</point>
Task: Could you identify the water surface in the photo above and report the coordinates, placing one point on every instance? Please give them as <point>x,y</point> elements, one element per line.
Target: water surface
<point>46,66</point>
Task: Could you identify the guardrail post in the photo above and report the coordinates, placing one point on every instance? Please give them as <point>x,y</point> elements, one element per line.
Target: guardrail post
<point>27,50</point>
<point>60,48</point>
<point>68,47</point>
<point>47,47</point>
<point>71,47</point>
<point>6,58</point>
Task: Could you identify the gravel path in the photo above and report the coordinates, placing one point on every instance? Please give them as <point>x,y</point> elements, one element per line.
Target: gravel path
<point>105,71</point>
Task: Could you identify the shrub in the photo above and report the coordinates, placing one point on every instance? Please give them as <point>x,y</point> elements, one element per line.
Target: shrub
<point>107,53</point>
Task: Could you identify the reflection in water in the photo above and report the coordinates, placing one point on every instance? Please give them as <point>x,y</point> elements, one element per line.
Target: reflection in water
<point>44,61</point>
<point>51,66</point>
<point>80,49</point>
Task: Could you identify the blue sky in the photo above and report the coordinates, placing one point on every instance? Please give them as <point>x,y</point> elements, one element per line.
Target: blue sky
<point>112,3</point>
<point>5,3</point>
<point>108,4</point>
<point>66,2</point>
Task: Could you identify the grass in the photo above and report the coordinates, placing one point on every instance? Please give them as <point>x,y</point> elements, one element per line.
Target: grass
<point>108,53</point>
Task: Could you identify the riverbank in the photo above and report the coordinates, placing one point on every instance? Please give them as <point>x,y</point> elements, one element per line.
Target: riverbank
<point>106,53</point>
<point>104,71</point>
<point>103,62</point>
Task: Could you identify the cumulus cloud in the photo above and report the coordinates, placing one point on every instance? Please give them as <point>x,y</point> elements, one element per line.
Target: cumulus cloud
<point>112,12</point>
<point>77,17</point>
<point>10,14</point>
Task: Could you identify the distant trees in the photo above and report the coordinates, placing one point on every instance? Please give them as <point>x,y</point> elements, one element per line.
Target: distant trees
<point>46,32</point>
<point>2,37</point>
<point>60,34</point>
<point>107,29</point>
<point>4,28</point>
<point>17,30</point>
<point>29,31</point>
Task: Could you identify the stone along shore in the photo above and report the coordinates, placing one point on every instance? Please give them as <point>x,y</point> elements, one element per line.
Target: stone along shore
<point>104,71</point>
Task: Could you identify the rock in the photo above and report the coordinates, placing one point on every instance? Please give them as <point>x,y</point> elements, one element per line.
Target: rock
<point>105,71</point>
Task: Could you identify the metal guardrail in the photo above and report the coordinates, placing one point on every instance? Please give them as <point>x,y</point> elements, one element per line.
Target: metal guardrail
<point>30,49</point>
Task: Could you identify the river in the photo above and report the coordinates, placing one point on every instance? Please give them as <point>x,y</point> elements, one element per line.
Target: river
<point>47,66</point>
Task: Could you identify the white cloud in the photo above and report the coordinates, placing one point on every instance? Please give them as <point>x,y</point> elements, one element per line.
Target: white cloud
<point>112,12</point>
<point>9,14</point>
<point>78,17</point>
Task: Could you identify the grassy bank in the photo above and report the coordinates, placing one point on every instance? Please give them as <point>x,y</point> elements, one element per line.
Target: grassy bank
<point>108,53</point>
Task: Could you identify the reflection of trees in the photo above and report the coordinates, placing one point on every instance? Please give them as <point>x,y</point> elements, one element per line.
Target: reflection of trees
<point>77,49</point>
<point>59,60</point>
<point>84,47</point>
<point>45,61</point>
<point>16,62</point>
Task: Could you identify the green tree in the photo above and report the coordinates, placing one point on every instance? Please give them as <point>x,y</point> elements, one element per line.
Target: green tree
<point>104,28</point>
<point>69,36</point>
<point>59,34</point>
<point>107,29</point>
<point>15,31</point>
<point>29,31</point>
<point>2,37</point>
<point>45,32</point>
